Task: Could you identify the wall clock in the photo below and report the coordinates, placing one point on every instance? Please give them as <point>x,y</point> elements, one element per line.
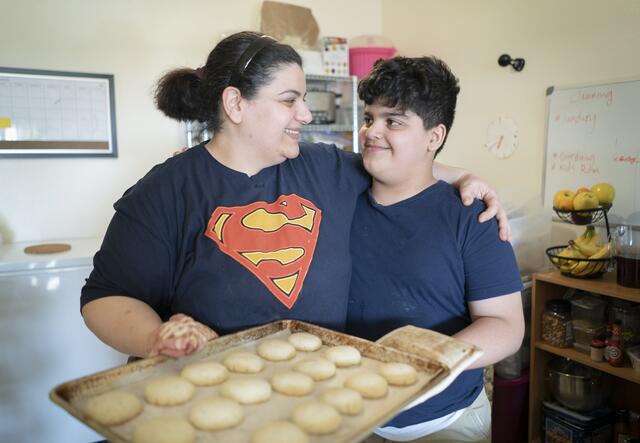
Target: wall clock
<point>502,137</point>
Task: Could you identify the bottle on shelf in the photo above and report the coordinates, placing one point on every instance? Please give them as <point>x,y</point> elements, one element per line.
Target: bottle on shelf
<point>615,350</point>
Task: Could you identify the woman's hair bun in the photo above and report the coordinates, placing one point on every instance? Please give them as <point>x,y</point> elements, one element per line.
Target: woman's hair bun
<point>178,94</point>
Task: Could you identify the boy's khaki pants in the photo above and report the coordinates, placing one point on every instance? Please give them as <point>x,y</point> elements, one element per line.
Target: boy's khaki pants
<point>474,425</point>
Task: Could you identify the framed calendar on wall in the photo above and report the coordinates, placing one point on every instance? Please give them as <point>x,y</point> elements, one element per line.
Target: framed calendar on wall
<point>56,114</point>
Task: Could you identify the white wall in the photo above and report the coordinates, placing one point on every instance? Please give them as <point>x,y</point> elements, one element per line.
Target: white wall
<point>567,42</point>
<point>563,42</point>
<point>48,199</point>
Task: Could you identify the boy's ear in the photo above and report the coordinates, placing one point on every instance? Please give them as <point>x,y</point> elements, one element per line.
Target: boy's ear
<point>436,137</point>
<point>231,104</point>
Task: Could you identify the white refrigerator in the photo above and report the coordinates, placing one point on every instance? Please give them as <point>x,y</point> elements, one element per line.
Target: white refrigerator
<point>44,342</point>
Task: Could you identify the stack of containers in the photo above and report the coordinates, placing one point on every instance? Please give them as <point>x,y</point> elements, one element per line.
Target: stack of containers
<point>588,315</point>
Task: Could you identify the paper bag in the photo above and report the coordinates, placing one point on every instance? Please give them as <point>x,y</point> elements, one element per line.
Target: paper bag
<point>290,24</point>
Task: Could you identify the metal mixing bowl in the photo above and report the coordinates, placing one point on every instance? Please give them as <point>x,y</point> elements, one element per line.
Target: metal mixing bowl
<point>578,387</point>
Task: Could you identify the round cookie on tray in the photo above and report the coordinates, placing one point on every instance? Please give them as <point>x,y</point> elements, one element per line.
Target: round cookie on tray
<point>276,350</point>
<point>113,407</point>
<point>346,401</point>
<point>343,356</point>
<point>246,390</point>
<point>368,384</point>
<point>316,417</point>
<point>215,414</point>
<point>304,341</point>
<point>206,373</point>
<point>292,383</point>
<point>317,368</point>
<point>398,374</point>
<point>243,362</point>
<point>164,430</point>
<point>279,432</point>
<point>169,390</point>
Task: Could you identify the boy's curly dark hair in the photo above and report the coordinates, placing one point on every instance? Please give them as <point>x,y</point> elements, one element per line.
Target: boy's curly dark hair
<point>424,85</point>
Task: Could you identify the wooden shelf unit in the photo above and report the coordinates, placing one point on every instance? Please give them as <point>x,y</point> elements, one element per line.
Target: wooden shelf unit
<point>550,285</point>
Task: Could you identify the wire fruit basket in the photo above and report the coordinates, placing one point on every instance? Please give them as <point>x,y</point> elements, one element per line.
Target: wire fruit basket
<point>584,216</point>
<point>578,267</point>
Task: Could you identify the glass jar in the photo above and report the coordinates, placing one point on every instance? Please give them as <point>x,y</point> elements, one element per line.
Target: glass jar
<point>628,313</point>
<point>597,349</point>
<point>556,323</point>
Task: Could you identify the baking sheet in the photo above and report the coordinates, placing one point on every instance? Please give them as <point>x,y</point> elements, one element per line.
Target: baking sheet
<point>454,354</point>
<point>432,375</point>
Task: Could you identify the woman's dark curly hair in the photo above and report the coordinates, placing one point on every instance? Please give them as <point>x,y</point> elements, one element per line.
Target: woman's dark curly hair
<point>195,94</point>
<point>424,85</point>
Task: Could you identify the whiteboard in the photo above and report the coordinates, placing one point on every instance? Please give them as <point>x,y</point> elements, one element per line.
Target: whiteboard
<point>593,135</point>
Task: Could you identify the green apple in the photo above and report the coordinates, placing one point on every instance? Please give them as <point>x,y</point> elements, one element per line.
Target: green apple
<point>604,192</point>
<point>584,200</point>
<point>563,200</point>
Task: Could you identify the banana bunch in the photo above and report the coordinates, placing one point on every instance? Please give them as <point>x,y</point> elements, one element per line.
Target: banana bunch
<point>584,267</point>
<point>567,263</point>
<point>589,245</point>
<point>590,242</point>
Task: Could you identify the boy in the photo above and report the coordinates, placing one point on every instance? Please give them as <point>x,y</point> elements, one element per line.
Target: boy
<point>440,269</point>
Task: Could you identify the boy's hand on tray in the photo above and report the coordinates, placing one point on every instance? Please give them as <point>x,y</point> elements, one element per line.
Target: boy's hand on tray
<point>180,335</point>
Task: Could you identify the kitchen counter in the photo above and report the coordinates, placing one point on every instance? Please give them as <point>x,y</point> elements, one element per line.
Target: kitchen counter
<point>14,259</point>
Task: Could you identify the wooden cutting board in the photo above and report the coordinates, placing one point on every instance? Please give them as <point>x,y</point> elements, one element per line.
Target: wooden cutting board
<point>47,248</point>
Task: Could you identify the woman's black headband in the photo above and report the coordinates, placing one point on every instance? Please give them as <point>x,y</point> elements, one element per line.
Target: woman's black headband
<point>245,59</point>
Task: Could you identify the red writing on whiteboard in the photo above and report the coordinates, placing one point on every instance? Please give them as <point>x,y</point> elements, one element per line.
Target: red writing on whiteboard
<point>574,163</point>
<point>605,95</point>
<point>581,119</point>
<point>630,159</point>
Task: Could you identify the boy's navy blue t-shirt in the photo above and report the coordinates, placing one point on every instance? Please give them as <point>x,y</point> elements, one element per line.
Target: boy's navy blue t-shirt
<point>420,262</point>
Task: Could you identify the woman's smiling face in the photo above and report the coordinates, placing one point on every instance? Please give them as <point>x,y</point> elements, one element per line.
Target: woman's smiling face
<point>275,116</point>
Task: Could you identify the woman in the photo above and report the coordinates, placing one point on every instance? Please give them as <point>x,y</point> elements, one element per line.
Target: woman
<point>247,228</point>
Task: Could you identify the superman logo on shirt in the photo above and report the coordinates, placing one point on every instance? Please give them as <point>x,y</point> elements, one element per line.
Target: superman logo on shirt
<point>274,241</point>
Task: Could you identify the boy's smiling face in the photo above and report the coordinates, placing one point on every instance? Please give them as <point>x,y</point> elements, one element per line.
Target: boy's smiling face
<point>395,146</point>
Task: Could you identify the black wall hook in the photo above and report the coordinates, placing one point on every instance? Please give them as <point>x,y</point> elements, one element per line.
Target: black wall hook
<point>516,63</point>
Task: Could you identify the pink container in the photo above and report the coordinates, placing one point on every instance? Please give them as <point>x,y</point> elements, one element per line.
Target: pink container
<point>509,412</point>
<point>361,60</point>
